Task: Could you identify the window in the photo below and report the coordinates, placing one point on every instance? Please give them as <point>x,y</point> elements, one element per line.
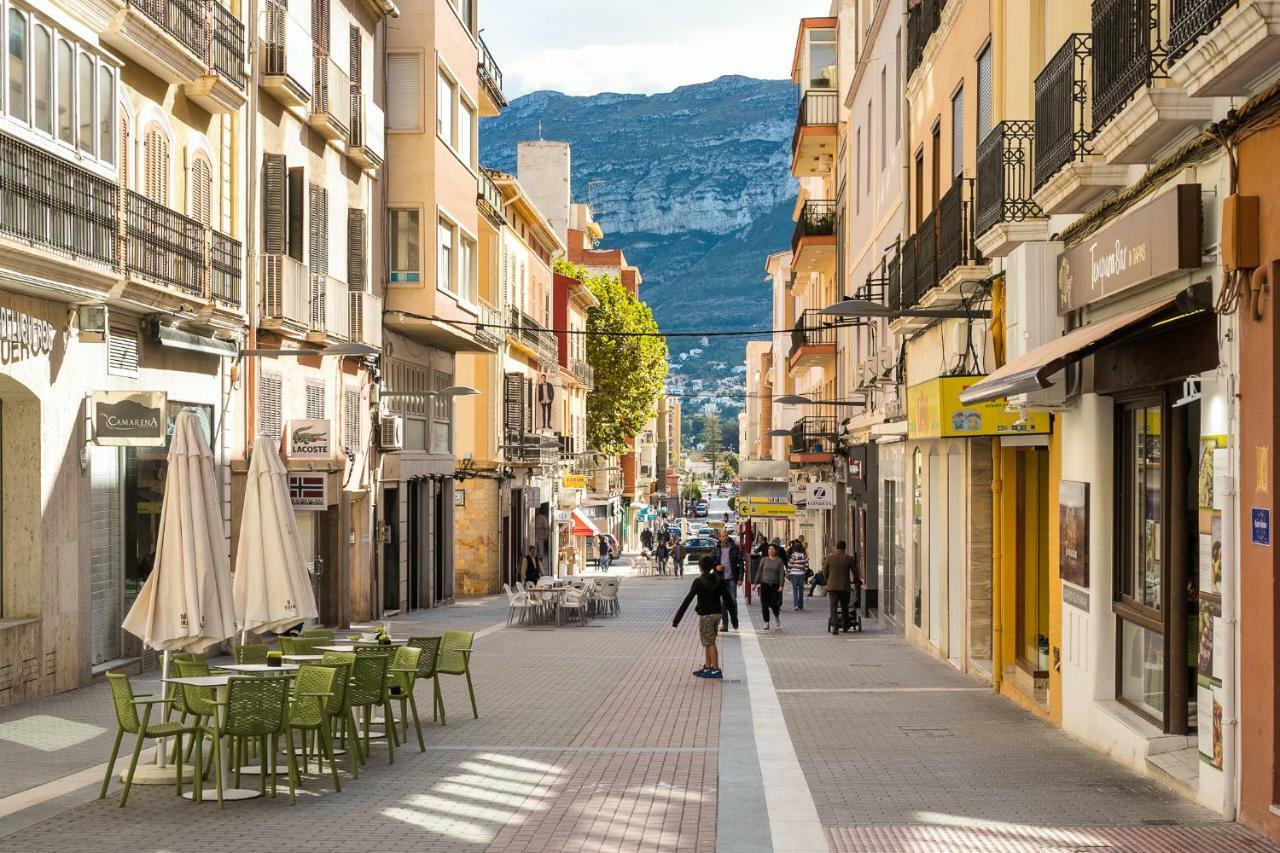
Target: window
<point>405,247</point>
<point>356,253</point>
<point>884,117</point>
<point>985,109</point>
<point>444,108</point>
<point>155,165</point>
<point>465,118</point>
<point>867,188</point>
<point>404,91</point>
<point>318,228</point>
<point>957,133</point>
<point>315,400</point>
<point>441,411</point>
<point>106,105</point>
<point>822,59</point>
<point>444,270</point>
<point>42,80</point>
<point>201,190</point>
<point>466,268</point>
<point>466,11</point>
<point>857,172</point>
<point>66,86</point>
<point>17,65</point>
<point>897,87</point>
<point>122,351</point>
<point>85,91</point>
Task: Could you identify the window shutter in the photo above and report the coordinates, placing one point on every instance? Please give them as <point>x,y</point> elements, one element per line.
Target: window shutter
<point>985,107</point>
<point>512,410</point>
<point>315,401</point>
<point>322,197</point>
<point>404,91</point>
<point>356,278</point>
<point>295,213</point>
<point>957,134</point>
<point>156,167</point>
<point>313,228</point>
<point>320,24</point>
<point>355,57</point>
<point>528,405</point>
<point>201,191</point>
<point>351,420</point>
<point>269,404</point>
<point>275,203</point>
<point>122,352</point>
<point>124,150</point>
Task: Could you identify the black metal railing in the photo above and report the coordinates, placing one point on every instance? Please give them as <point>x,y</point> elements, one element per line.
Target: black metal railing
<point>579,368</point>
<point>1063,125</point>
<point>165,245</point>
<point>1191,20</point>
<point>812,329</point>
<point>926,256</point>
<point>277,22</point>
<point>1005,160</point>
<point>817,219</point>
<point>818,108</point>
<point>185,20</point>
<point>955,228</point>
<point>532,332</point>
<point>1127,53</point>
<point>893,279</point>
<point>490,200</point>
<point>49,202</point>
<point>923,20</point>
<point>225,269</point>
<point>227,46</point>
<point>814,434</point>
<point>906,292</point>
<point>490,75</point>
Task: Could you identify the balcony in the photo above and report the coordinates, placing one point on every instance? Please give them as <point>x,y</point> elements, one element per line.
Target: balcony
<point>536,338</point>
<point>165,246</point>
<point>538,448</point>
<point>1067,177</point>
<point>330,98</point>
<point>286,295</point>
<point>959,260</point>
<point>1006,214</point>
<point>813,243</point>
<point>1137,110</point>
<point>490,201</point>
<point>813,341</point>
<point>198,44</point>
<point>923,20</point>
<point>329,302</point>
<point>489,328</point>
<point>366,318</point>
<point>367,145</point>
<point>492,101</point>
<point>583,372</point>
<point>1222,47</point>
<point>288,56</point>
<point>226,265</point>
<point>813,146</point>
<point>813,441</point>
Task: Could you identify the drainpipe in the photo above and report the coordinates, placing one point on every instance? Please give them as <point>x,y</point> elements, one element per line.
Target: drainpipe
<point>997,568</point>
<point>251,229</point>
<point>1230,683</point>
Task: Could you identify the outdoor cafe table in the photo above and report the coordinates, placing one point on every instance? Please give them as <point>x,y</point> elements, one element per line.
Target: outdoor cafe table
<point>220,684</point>
<point>304,658</point>
<point>351,647</point>
<point>254,668</point>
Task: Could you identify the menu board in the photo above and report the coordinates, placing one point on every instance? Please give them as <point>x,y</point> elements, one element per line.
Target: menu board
<point>1210,642</point>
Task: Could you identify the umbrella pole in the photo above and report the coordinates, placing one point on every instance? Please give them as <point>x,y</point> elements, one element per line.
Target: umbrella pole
<point>160,772</point>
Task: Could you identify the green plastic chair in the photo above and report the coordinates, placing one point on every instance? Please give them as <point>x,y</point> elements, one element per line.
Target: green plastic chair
<point>126,704</point>
<point>369,682</point>
<point>252,653</point>
<point>404,672</point>
<point>309,714</point>
<point>430,648</point>
<point>341,717</point>
<point>256,709</point>
<point>325,634</point>
<point>198,702</point>
<point>301,645</point>
<point>454,658</point>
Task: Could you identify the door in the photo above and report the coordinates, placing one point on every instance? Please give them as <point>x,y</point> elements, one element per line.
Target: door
<point>1032,555</point>
<point>106,556</point>
<point>391,550</point>
<point>917,537</point>
<point>415,549</point>
<point>936,554</point>
<point>439,525</point>
<point>957,524</point>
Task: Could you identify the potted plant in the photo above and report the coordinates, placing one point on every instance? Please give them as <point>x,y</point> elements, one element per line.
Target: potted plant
<point>275,658</point>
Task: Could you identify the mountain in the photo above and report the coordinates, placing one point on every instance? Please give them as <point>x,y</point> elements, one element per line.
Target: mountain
<point>694,186</point>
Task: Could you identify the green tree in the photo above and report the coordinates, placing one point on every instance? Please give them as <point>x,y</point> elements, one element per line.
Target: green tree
<point>692,491</point>
<point>711,440</point>
<point>630,368</point>
<point>729,464</point>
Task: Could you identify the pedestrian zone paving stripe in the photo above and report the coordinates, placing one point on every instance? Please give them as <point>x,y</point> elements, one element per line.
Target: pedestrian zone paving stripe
<point>883,690</point>
<point>795,828</point>
<point>638,750</point>
<point>74,782</point>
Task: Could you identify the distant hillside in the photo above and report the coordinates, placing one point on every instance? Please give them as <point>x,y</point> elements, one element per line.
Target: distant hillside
<point>693,185</point>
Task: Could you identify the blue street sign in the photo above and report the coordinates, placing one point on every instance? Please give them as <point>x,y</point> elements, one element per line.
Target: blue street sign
<point>1261,527</point>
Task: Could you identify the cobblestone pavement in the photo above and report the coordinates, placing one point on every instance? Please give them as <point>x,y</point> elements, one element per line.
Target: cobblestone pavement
<point>596,739</point>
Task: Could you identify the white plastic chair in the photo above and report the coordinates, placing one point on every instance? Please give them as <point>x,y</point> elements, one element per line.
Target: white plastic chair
<point>517,602</point>
<point>574,601</point>
<point>608,596</point>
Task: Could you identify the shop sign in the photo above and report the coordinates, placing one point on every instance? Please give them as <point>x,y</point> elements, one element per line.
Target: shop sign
<point>460,497</point>
<point>934,410</point>
<point>25,332</point>
<point>129,419</point>
<point>765,509</point>
<point>1073,526</point>
<point>820,496</point>
<point>1260,528</point>
<point>1143,245</point>
<point>574,481</point>
<point>308,439</point>
<point>1077,598</point>
<point>309,492</point>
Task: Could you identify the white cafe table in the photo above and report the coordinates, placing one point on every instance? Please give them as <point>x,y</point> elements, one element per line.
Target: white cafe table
<point>220,684</point>
<point>255,668</point>
<point>304,658</point>
<point>351,647</point>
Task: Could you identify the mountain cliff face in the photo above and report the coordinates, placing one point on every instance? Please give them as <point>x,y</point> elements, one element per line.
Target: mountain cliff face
<point>693,185</point>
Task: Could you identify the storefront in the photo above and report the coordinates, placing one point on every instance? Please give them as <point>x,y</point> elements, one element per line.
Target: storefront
<point>863,520</point>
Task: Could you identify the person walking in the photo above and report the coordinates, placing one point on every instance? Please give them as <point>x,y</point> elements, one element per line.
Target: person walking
<point>841,571</point>
<point>797,573</point>
<point>531,566</point>
<point>663,553</point>
<point>603,550</point>
<point>646,540</point>
<point>712,596</point>
<point>731,565</point>
<point>769,575</point>
<point>679,554</point>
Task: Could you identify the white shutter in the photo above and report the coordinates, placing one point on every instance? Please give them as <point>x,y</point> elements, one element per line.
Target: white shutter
<point>985,97</point>
<point>105,551</point>
<point>315,401</point>
<point>404,91</point>
<point>269,394</point>
<point>957,133</point>
<point>122,352</point>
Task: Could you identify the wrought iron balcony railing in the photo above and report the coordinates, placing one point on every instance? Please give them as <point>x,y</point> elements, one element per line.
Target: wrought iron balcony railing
<point>1064,124</point>
<point>955,228</point>
<point>1005,161</point>
<point>541,339</point>
<point>1127,53</point>
<point>812,329</point>
<point>227,47</point>
<point>817,219</point>
<point>926,245</point>
<point>206,28</point>
<point>490,75</point>
<point>579,368</point>
<point>923,20</point>
<point>1192,20</point>
<point>185,20</point>
<point>490,200</point>
<point>227,265</point>
<point>818,108</point>
<point>814,434</point>
<point>166,246</point>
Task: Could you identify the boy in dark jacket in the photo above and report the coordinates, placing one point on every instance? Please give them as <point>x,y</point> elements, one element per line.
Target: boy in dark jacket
<point>712,595</point>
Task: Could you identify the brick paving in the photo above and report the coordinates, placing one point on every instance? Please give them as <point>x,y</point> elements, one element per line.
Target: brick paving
<point>596,739</point>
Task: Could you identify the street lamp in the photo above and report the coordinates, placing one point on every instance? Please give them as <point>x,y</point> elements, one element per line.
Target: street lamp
<point>343,350</point>
<point>779,433</point>
<point>867,308</point>
<point>447,391</point>
<point>801,400</point>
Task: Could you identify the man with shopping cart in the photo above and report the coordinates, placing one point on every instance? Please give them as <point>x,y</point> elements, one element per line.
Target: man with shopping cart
<point>843,578</point>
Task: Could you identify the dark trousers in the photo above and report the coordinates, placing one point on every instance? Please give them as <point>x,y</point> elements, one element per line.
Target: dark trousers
<point>770,599</point>
<point>839,599</point>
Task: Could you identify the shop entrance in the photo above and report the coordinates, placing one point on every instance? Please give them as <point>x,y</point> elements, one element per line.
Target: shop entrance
<point>1031,561</point>
<point>314,531</point>
<point>416,551</point>
<point>391,550</point>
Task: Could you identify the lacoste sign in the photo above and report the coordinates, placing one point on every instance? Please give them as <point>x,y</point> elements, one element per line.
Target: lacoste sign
<point>309,439</point>
<point>129,418</point>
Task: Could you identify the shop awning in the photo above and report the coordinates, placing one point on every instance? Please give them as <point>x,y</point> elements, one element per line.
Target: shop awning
<point>583,526</point>
<point>1033,370</point>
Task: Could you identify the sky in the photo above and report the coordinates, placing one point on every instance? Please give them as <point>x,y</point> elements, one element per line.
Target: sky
<point>583,47</point>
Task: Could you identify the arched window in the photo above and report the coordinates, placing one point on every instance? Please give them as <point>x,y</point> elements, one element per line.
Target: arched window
<point>155,165</point>
<point>200,192</point>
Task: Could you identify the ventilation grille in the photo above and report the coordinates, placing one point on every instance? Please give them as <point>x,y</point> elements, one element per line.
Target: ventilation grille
<point>122,352</point>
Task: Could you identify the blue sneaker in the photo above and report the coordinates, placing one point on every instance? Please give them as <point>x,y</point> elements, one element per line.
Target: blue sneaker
<point>712,673</point>
<point>700,672</point>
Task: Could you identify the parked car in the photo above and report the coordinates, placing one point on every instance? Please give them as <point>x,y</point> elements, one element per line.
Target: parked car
<point>700,509</point>
<point>706,532</point>
<point>698,547</point>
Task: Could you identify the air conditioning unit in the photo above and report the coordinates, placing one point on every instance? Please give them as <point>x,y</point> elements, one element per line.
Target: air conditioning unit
<point>391,432</point>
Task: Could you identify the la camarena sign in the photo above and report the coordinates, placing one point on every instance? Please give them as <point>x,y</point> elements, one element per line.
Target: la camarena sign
<point>129,419</point>
<point>1146,244</point>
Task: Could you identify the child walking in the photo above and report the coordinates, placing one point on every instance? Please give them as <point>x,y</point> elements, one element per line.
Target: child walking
<point>711,593</point>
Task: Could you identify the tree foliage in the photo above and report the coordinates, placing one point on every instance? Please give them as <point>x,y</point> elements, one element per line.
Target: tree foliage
<point>630,369</point>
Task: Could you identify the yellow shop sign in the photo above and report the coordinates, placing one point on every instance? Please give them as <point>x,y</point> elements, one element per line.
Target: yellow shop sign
<point>765,509</point>
<point>934,410</point>
<point>574,481</point>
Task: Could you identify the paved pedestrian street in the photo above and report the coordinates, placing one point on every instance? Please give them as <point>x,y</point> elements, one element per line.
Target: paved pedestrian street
<point>598,739</point>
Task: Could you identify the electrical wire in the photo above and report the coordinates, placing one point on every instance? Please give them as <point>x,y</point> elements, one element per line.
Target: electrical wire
<point>743,333</point>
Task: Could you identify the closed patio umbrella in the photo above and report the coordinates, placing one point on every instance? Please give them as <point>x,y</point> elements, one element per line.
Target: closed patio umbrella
<point>185,604</point>
<point>272,585</point>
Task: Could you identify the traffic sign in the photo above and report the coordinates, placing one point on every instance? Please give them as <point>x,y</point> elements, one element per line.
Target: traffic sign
<point>765,509</point>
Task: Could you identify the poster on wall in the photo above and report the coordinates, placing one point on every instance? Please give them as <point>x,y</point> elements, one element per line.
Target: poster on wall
<point>1073,522</point>
<point>1211,556</point>
<point>1209,725</point>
